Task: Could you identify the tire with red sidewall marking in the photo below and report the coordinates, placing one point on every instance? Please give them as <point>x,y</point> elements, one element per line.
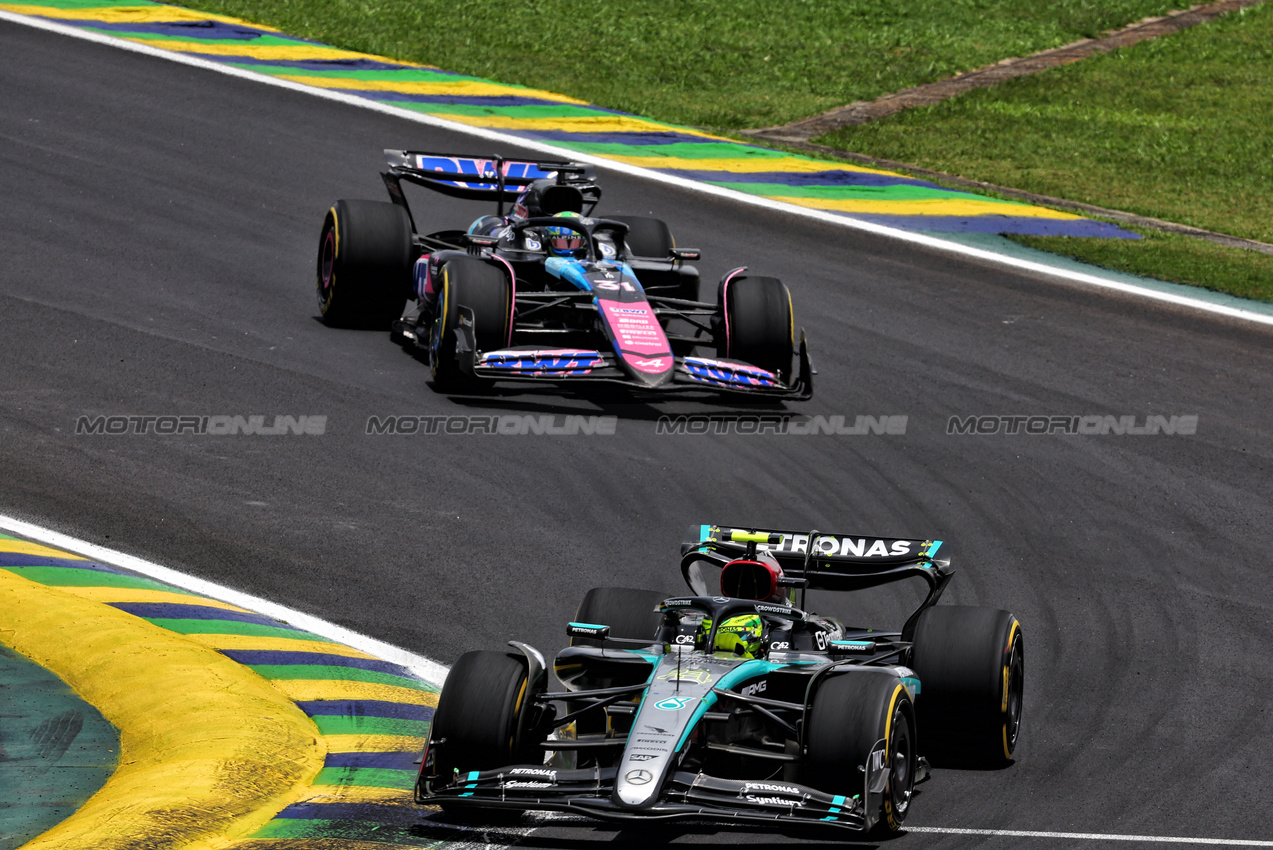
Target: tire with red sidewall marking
<point>365,256</point>
<point>758,326</point>
<point>971,667</point>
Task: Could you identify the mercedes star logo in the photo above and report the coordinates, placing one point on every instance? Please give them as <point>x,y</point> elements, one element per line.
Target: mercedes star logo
<point>638,777</point>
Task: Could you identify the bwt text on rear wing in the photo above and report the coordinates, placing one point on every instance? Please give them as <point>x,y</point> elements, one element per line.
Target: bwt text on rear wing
<point>480,178</point>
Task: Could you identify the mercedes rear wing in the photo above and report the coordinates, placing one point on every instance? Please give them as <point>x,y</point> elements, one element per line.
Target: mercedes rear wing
<point>811,560</point>
<point>824,561</point>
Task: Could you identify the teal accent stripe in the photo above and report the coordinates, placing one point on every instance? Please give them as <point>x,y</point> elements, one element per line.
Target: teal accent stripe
<point>746,670</point>
<point>471,779</point>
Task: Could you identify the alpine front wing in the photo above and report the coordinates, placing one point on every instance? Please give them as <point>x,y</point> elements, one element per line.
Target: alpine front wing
<point>690,373</point>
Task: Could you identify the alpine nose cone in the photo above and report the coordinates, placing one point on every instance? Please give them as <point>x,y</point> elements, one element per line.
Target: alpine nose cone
<point>636,334</point>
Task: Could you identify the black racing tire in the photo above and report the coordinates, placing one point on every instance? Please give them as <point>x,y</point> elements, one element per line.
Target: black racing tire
<point>849,714</point>
<point>651,238</point>
<point>479,714</point>
<point>485,289</point>
<point>971,667</point>
<point>646,237</point>
<point>757,323</point>
<point>628,612</point>
<point>365,257</point>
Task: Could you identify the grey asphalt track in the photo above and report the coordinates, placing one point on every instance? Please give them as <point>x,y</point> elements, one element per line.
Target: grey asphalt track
<point>158,226</point>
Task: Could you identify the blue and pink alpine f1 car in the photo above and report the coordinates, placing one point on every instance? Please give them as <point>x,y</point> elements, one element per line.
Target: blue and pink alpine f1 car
<point>548,292</point>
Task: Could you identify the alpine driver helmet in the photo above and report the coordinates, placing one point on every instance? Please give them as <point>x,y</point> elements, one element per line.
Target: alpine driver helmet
<point>741,634</point>
<point>563,241</point>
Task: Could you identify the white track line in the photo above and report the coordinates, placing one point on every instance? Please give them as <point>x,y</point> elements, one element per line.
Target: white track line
<point>1093,836</point>
<point>426,668</point>
<point>658,177</point>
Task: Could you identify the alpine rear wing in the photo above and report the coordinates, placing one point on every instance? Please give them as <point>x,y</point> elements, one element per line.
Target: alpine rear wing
<point>480,178</point>
<point>820,561</point>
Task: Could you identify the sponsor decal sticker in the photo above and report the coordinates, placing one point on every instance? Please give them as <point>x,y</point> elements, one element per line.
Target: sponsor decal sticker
<point>864,647</point>
<point>674,703</point>
<point>640,776</point>
<point>687,675</point>
<point>774,801</point>
<point>772,788</point>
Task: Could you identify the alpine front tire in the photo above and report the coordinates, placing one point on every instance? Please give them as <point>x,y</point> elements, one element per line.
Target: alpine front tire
<point>364,264</point>
<point>486,291</point>
<point>971,665</point>
<point>849,715</point>
<point>757,324</point>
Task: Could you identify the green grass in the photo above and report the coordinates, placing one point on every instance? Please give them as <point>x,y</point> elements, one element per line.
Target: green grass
<point>1173,257</point>
<point>727,64</point>
<point>1176,128</point>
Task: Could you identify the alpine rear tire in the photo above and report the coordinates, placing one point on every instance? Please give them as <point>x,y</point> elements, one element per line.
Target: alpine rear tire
<point>850,713</point>
<point>651,239</point>
<point>971,665</point>
<point>627,611</point>
<point>364,264</point>
<point>646,237</point>
<point>758,325</point>
<point>485,290</point>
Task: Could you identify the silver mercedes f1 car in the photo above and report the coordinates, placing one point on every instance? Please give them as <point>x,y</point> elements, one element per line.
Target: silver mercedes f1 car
<point>734,703</point>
